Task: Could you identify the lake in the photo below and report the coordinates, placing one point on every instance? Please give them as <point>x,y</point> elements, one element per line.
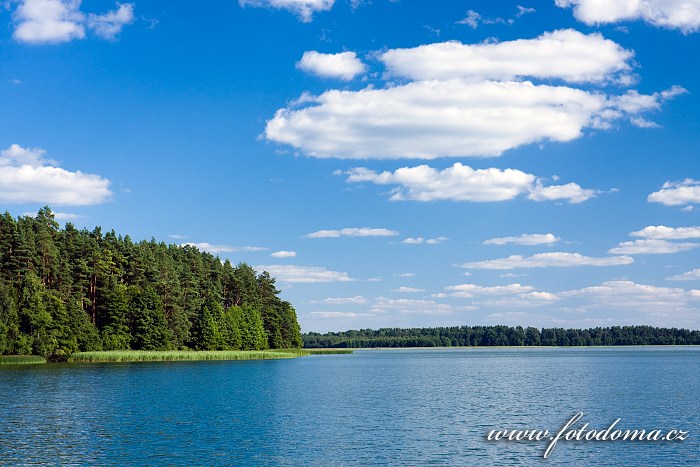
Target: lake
<point>386,407</point>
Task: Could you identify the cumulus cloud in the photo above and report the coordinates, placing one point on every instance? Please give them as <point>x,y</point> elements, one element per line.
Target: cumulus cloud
<point>48,21</point>
<point>108,25</point>
<point>404,289</point>
<point>651,246</point>
<point>454,118</point>
<point>460,100</point>
<point>522,300</point>
<point>687,276</point>
<point>571,192</point>
<point>683,15</point>
<point>60,216</point>
<point>524,239</point>
<point>676,193</point>
<point>357,300</point>
<point>352,232</point>
<point>304,9</point>
<point>337,314</point>
<point>668,233</point>
<point>628,294</point>
<point>344,65</point>
<point>462,183</point>
<point>564,54</point>
<point>27,177</point>
<point>473,290</point>
<point>544,260</point>
<point>430,119</point>
<point>55,21</point>
<point>284,254</point>
<point>216,249</point>
<point>409,307</point>
<point>304,274</point>
<point>422,240</point>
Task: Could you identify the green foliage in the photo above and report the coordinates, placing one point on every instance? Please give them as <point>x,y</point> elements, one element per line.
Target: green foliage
<point>67,290</point>
<point>501,336</point>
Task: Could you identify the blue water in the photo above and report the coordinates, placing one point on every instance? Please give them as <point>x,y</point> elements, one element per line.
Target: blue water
<point>395,407</point>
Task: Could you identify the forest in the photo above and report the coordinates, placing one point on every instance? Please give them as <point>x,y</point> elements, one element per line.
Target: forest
<point>501,336</point>
<point>69,290</point>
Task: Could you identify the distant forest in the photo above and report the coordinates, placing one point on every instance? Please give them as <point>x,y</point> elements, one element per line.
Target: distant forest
<point>501,336</point>
<point>69,290</point>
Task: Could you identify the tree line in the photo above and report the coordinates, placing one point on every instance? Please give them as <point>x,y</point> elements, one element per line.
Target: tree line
<point>68,290</point>
<point>469,336</point>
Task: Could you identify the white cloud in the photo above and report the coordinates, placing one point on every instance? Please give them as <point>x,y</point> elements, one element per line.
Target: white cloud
<point>571,192</point>
<point>109,24</point>
<point>462,183</point>
<point>404,289</point>
<point>55,21</point>
<point>48,21</point>
<point>671,14</point>
<point>543,260</point>
<point>357,300</point>
<point>406,274</point>
<point>473,290</point>
<point>524,10</point>
<point>409,307</point>
<point>523,300</point>
<point>304,9</point>
<point>352,232</point>
<point>178,236</point>
<point>27,177</point>
<point>422,240</point>
<point>676,193</point>
<point>471,19</point>
<point>524,239</point>
<point>564,54</point>
<point>344,65</point>
<point>651,246</point>
<point>628,294</point>
<point>337,314</point>
<point>284,254</point>
<point>471,119</point>
<point>215,249</point>
<point>687,276</point>
<point>668,233</point>
<point>60,216</point>
<point>304,274</point>
<point>483,118</point>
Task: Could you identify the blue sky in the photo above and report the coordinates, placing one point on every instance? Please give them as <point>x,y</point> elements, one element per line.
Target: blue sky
<point>392,163</point>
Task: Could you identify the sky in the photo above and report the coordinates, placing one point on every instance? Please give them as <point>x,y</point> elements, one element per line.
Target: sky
<point>391,163</point>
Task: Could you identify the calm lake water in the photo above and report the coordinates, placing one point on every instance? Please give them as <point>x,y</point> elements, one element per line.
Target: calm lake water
<point>394,407</point>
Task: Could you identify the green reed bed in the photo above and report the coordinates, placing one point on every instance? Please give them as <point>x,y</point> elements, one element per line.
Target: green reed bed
<point>21,359</point>
<point>179,355</point>
<point>328,351</point>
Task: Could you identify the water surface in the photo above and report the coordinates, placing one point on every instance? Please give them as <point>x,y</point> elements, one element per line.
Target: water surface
<point>374,407</point>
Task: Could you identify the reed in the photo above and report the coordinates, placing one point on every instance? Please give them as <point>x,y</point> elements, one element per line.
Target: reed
<point>328,351</point>
<point>21,359</point>
<point>178,355</point>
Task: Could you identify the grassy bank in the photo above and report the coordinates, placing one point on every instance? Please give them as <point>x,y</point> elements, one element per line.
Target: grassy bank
<point>173,355</point>
<point>182,355</point>
<point>21,359</point>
